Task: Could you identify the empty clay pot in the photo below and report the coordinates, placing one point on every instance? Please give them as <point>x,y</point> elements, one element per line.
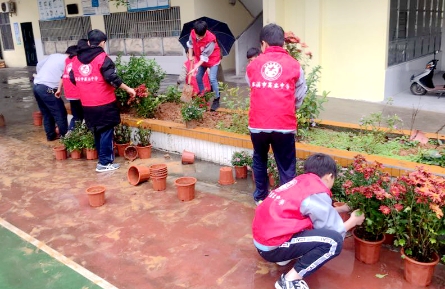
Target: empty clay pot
<point>138,174</point>
<point>37,118</point>
<point>188,157</point>
<point>186,188</point>
<point>226,176</point>
<point>96,196</point>
<point>131,153</point>
<point>60,152</point>
<point>159,184</point>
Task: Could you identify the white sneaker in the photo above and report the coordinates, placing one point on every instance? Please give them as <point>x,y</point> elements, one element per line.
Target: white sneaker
<point>110,167</point>
<point>283,263</point>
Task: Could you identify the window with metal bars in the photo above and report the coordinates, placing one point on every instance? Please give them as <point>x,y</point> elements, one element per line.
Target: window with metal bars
<point>415,29</point>
<point>153,32</point>
<point>57,35</point>
<point>6,32</point>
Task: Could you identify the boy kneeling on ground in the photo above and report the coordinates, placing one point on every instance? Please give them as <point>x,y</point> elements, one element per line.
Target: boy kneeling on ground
<point>298,221</point>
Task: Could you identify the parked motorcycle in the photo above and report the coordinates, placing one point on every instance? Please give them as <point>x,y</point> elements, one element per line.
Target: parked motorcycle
<point>423,82</point>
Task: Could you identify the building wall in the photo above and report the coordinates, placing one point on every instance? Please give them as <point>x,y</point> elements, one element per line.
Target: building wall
<point>348,38</point>
<point>236,16</point>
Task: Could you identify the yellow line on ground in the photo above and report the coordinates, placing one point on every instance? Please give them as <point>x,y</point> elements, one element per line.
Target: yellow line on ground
<point>56,255</point>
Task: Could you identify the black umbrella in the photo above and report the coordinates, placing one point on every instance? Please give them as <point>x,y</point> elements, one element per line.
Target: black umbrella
<point>221,30</point>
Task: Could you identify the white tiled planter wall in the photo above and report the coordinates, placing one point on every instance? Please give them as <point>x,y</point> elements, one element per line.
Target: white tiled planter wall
<point>204,150</point>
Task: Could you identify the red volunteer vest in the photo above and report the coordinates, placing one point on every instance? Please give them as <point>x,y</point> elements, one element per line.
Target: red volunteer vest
<point>278,218</point>
<point>198,46</point>
<point>71,91</point>
<point>93,89</point>
<point>194,83</point>
<point>272,77</point>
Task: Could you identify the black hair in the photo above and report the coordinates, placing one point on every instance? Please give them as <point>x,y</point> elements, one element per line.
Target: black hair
<point>321,165</point>
<point>72,50</point>
<point>200,27</point>
<point>95,37</point>
<point>82,44</point>
<point>272,34</point>
<point>252,52</point>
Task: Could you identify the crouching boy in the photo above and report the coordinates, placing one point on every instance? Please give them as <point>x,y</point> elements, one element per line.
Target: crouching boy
<point>297,221</point>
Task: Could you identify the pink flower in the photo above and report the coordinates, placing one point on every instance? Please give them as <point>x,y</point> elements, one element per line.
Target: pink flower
<point>385,210</point>
<point>398,207</point>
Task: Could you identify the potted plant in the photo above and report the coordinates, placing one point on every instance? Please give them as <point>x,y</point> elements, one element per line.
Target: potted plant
<point>366,189</point>
<point>192,112</point>
<point>240,161</point>
<point>416,219</point>
<point>142,139</point>
<point>272,172</point>
<point>73,140</point>
<point>89,145</point>
<point>122,137</point>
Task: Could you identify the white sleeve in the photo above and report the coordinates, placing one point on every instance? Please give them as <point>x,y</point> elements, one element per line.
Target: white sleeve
<point>319,209</point>
<point>300,89</point>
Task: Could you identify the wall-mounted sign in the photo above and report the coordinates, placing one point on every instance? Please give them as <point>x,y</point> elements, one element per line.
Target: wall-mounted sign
<point>51,9</point>
<point>95,7</point>
<point>142,5</point>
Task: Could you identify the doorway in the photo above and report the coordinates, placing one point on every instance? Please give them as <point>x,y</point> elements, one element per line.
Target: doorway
<point>29,44</point>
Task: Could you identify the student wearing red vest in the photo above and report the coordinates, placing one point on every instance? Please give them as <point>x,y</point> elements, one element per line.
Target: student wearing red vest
<point>70,90</point>
<point>277,90</point>
<point>183,77</point>
<point>204,46</point>
<point>94,74</point>
<point>298,221</point>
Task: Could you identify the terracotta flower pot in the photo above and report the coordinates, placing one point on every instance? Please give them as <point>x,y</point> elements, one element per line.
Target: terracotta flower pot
<point>191,124</point>
<point>188,157</point>
<point>159,184</point>
<point>344,216</point>
<point>37,118</point>
<point>2,120</point>
<point>144,152</point>
<point>272,181</point>
<point>76,154</point>
<point>130,153</point>
<point>366,251</point>
<point>241,172</point>
<point>91,154</point>
<point>138,174</point>
<point>60,152</point>
<point>389,239</point>
<point>96,196</point>
<point>186,188</point>
<point>121,148</point>
<point>418,273</point>
<point>226,176</point>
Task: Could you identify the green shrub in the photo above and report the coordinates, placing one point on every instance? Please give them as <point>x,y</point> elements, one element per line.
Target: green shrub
<point>122,134</point>
<point>191,111</point>
<point>137,71</point>
<point>171,94</point>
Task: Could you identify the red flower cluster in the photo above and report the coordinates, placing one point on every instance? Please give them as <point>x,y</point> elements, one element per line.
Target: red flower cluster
<point>141,92</point>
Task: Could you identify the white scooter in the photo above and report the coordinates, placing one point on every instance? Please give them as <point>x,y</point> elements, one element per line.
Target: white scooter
<point>423,82</point>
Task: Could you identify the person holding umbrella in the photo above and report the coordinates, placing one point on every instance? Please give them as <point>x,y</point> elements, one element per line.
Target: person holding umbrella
<point>203,44</point>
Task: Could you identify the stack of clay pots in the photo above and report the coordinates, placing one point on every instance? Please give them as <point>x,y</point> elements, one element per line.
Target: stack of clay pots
<point>158,176</point>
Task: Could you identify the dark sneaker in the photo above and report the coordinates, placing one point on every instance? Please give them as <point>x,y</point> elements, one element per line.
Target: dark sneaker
<point>215,104</point>
<point>296,284</point>
<point>110,167</point>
